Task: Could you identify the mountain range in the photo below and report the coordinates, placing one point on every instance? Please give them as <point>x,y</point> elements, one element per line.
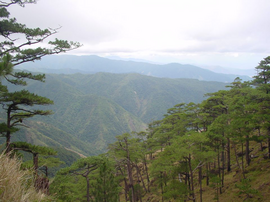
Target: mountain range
<point>70,64</point>
<point>96,99</point>
<point>91,109</point>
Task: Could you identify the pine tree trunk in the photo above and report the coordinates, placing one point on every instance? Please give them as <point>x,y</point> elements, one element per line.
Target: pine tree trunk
<point>223,163</point>
<point>46,171</point>
<point>35,161</point>
<point>138,170</point>
<point>247,151</point>
<point>207,173</point>
<point>131,184</point>
<point>237,161</point>
<point>8,134</point>
<point>268,141</point>
<point>228,155</point>
<point>130,178</point>
<point>191,178</point>
<point>161,186</point>
<point>219,173</point>
<point>242,158</point>
<point>87,189</point>
<point>200,182</point>
<point>126,184</point>
<point>8,149</point>
<point>261,143</point>
<point>147,175</point>
<point>138,192</point>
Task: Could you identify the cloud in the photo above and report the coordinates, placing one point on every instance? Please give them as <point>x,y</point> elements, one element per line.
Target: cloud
<point>173,27</point>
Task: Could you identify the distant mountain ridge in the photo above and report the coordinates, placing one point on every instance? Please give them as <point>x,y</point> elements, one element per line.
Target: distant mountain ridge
<point>90,64</point>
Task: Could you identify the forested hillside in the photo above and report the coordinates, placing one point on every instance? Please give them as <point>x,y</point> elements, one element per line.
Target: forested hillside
<point>111,131</point>
<point>215,150</point>
<point>92,109</point>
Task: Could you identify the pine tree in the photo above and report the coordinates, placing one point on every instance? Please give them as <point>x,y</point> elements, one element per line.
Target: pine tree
<point>84,167</point>
<point>14,51</point>
<point>21,50</point>
<point>105,188</point>
<point>262,82</point>
<point>124,151</point>
<point>16,104</point>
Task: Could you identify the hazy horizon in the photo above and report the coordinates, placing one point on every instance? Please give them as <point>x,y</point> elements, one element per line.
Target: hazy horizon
<point>231,34</point>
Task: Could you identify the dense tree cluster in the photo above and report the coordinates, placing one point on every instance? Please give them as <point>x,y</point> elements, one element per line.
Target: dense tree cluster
<point>194,146</point>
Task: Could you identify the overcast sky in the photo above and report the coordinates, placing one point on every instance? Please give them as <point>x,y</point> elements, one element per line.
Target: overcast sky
<point>229,33</point>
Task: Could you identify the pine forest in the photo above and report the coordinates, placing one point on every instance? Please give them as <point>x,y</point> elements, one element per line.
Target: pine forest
<point>215,148</point>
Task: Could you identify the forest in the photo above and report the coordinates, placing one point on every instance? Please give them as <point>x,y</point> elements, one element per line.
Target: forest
<point>194,153</point>
<point>89,110</point>
<point>215,150</point>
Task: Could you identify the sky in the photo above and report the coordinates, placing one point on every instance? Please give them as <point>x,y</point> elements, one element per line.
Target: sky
<point>226,33</point>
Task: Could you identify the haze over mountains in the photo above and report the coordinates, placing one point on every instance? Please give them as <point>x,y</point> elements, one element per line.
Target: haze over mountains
<point>69,64</point>
<point>214,68</point>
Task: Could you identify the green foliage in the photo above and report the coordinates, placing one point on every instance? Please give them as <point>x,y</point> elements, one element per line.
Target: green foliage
<point>106,186</point>
<point>96,108</point>
<point>176,190</point>
<point>22,51</point>
<point>49,162</point>
<point>14,52</point>
<point>245,190</point>
<point>216,184</point>
<point>81,164</point>
<point>262,79</point>
<point>68,188</point>
<point>103,185</point>
<point>82,169</point>
<point>188,150</point>
<point>24,146</point>
<point>21,104</point>
<point>125,147</point>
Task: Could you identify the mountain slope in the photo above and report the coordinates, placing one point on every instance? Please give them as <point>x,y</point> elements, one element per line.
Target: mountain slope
<point>90,110</point>
<point>46,134</point>
<point>84,117</point>
<point>145,97</point>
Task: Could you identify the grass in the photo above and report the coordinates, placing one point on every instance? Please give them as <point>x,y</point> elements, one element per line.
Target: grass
<point>17,185</point>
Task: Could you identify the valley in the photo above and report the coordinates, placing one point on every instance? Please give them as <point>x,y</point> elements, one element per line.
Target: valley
<point>91,109</point>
